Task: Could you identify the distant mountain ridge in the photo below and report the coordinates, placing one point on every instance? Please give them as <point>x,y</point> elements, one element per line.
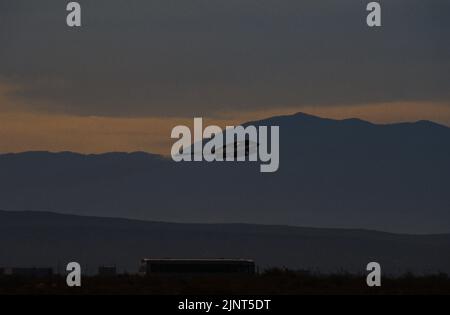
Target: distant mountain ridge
<point>333,173</point>
<point>51,240</point>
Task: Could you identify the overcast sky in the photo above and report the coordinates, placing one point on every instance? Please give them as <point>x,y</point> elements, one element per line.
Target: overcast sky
<point>186,58</point>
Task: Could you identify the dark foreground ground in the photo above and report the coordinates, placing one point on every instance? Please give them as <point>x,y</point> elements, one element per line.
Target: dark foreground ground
<point>275,282</point>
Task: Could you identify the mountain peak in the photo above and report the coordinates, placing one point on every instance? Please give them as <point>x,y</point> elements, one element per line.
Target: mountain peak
<point>305,116</point>
<point>308,119</point>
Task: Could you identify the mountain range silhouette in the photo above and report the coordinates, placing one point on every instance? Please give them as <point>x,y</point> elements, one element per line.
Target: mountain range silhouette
<point>333,174</point>
<point>46,239</point>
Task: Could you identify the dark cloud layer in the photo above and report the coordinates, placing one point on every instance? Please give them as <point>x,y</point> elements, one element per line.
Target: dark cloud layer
<point>185,57</point>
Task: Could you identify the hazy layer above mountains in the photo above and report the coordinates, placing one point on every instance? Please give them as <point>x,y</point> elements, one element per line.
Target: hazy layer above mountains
<point>340,174</point>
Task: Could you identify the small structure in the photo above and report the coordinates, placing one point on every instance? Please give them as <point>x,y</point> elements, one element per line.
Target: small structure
<point>107,271</point>
<point>32,272</point>
<point>169,266</point>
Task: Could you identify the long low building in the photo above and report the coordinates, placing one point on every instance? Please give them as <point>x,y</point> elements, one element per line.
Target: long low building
<point>170,266</point>
<point>27,272</point>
